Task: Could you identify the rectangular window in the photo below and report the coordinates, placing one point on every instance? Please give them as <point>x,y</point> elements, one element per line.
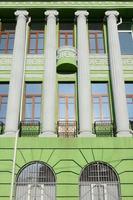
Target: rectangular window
<point>126,42</point>
<point>66,38</point>
<point>66,35</point>
<point>32,101</point>
<point>100,99</point>
<point>6,42</point>
<point>36,42</point>
<point>96,39</point>
<point>3,100</point>
<point>67,105</point>
<point>129,96</point>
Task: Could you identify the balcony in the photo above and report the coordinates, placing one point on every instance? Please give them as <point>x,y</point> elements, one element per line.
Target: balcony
<point>67,129</point>
<point>131,124</point>
<point>104,128</point>
<point>66,60</point>
<point>29,128</point>
<point>1,128</point>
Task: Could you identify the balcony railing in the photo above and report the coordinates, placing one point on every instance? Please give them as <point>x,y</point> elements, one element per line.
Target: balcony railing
<point>131,124</point>
<point>1,128</point>
<point>67,129</point>
<point>104,128</point>
<point>29,128</point>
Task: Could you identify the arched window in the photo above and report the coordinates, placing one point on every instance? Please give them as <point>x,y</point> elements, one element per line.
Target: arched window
<point>98,181</point>
<point>35,181</point>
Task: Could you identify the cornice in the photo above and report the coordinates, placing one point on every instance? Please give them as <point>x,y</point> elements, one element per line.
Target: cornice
<point>67,4</point>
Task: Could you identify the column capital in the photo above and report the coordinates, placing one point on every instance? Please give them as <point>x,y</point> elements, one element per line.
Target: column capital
<point>21,13</point>
<point>51,13</point>
<point>112,13</point>
<point>84,13</point>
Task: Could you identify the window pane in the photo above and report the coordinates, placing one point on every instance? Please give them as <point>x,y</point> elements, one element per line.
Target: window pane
<point>33,88</point>
<point>62,109</point>
<point>129,94</point>
<point>101,110</point>
<point>96,43</point>
<point>66,101</point>
<point>129,88</point>
<point>99,88</point>
<point>126,42</point>
<point>10,43</point>
<point>71,109</point>
<point>66,88</point>
<point>33,101</point>
<point>28,109</point>
<point>96,111</point>
<point>37,111</point>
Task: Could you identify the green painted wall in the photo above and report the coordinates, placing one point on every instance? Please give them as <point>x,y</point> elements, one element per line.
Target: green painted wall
<point>68,157</point>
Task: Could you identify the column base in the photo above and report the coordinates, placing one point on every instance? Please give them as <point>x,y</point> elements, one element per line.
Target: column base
<point>86,134</point>
<point>9,134</point>
<point>48,134</point>
<point>124,133</point>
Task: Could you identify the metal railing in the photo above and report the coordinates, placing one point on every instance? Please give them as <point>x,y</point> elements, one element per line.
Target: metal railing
<point>29,128</point>
<point>67,129</point>
<point>131,124</point>
<point>104,128</point>
<point>2,125</point>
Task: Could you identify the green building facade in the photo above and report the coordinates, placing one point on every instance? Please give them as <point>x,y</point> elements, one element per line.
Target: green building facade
<point>66,118</point>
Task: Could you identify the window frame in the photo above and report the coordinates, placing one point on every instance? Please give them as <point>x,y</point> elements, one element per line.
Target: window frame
<point>96,38</point>
<point>36,49</point>
<point>66,33</point>
<point>125,31</point>
<point>66,97</point>
<point>100,102</point>
<point>6,49</point>
<point>32,97</point>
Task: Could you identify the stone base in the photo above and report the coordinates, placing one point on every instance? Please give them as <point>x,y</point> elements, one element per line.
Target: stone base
<point>9,134</point>
<point>48,134</point>
<point>125,133</point>
<point>86,134</point>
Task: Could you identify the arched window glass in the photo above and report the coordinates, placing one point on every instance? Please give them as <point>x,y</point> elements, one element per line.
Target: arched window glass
<point>98,181</point>
<point>36,181</point>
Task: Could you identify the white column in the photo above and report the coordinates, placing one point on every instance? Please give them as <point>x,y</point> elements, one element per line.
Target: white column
<point>15,87</point>
<point>119,95</point>
<point>49,91</point>
<point>84,85</point>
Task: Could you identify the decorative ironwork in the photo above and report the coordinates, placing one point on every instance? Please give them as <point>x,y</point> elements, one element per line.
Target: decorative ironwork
<point>67,129</point>
<point>104,128</point>
<point>99,181</point>
<point>29,128</point>
<point>1,128</point>
<point>35,181</point>
<point>131,124</point>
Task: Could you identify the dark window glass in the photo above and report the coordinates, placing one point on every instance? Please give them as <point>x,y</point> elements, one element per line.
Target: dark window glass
<point>3,100</point>
<point>101,110</point>
<point>129,95</point>
<point>67,101</point>
<point>32,103</point>
<point>6,42</point>
<point>126,42</point>
<point>36,42</point>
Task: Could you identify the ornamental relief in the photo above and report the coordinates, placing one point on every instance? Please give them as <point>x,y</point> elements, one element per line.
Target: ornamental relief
<point>34,62</point>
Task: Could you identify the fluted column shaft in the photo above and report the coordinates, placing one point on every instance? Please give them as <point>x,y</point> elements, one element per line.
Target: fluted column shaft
<point>119,95</point>
<point>84,85</point>
<point>49,91</point>
<point>15,87</point>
